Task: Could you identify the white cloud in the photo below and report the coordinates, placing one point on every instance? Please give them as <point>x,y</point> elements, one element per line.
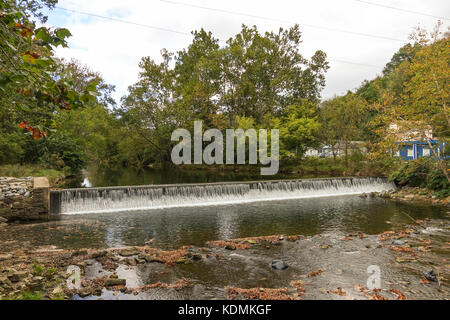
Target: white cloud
<point>115,49</point>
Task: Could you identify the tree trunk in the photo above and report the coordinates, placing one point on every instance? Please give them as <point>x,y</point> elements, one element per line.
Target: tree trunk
<point>333,151</point>
<point>346,154</point>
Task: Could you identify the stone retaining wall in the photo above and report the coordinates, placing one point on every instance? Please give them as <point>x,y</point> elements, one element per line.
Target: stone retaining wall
<point>24,199</point>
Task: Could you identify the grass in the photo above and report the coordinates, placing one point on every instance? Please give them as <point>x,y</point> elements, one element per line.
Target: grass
<point>38,269</point>
<point>32,170</point>
<point>31,296</point>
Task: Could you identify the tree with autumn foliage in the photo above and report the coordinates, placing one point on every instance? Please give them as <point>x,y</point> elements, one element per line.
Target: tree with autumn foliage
<point>31,93</point>
<point>40,95</point>
<point>415,95</point>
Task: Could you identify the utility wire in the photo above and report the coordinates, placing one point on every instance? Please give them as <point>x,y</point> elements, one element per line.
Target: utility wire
<point>357,63</point>
<point>400,9</point>
<point>124,21</point>
<point>281,20</point>
<point>183,33</point>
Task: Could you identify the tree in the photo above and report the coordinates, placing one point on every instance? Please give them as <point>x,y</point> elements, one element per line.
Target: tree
<point>341,119</point>
<point>151,110</point>
<point>30,92</point>
<point>416,99</point>
<point>253,76</point>
<point>264,74</point>
<point>405,53</point>
<point>299,128</point>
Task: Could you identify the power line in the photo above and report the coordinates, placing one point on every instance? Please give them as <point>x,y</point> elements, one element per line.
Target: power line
<point>400,9</point>
<point>281,20</point>
<point>124,21</point>
<point>357,63</point>
<point>181,32</point>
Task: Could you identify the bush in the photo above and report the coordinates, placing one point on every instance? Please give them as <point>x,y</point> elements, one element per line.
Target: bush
<point>60,151</point>
<point>413,173</point>
<point>439,183</point>
<point>424,173</point>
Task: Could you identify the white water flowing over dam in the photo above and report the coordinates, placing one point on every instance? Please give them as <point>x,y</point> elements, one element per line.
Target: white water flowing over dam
<point>113,199</point>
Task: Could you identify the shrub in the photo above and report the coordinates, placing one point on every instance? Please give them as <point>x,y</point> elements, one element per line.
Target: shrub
<point>439,183</point>
<point>413,173</point>
<point>60,151</point>
<point>422,172</point>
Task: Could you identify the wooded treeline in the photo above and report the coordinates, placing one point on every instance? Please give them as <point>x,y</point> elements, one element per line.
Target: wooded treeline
<point>61,114</point>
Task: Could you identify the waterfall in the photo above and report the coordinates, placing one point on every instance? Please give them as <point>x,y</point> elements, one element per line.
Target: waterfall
<point>92,200</point>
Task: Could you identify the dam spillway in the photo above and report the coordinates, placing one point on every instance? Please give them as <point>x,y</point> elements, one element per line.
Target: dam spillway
<point>131,198</point>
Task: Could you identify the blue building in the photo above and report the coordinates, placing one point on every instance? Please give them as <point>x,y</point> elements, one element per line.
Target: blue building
<point>410,150</point>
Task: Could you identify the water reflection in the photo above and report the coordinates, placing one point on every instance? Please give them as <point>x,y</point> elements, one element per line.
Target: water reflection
<point>172,228</point>
<point>227,219</point>
<point>107,177</point>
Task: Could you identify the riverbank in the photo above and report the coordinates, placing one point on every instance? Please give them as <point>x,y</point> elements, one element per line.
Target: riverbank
<point>55,177</point>
<point>324,266</point>
<point>414,194</point>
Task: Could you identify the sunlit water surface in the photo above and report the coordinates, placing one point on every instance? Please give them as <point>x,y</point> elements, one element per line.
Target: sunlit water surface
<point>174,227</point>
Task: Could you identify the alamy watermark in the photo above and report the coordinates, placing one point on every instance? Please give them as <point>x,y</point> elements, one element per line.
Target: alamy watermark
<point>74,279</point>
<point>214,152</point>
<point>374,280</point>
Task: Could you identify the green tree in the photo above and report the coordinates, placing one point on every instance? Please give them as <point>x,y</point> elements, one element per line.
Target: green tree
<point>341,119</point>
<point>30,92</point>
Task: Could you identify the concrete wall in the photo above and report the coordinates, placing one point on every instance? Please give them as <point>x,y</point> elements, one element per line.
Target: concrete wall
<point>24,199</point>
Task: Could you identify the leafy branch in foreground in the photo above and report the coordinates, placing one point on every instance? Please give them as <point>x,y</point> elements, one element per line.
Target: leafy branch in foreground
<point>31,91</point>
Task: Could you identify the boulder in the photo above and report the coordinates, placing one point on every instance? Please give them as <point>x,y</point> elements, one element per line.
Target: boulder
<point>151,258</point>
<point>197,256</point>
<point>99,254</point>
<point>17,276</point>
<point>115,282</point>
<point>430,276</point>
<point>129,252</point>
<point>279,265</point>
<point>130,261</point>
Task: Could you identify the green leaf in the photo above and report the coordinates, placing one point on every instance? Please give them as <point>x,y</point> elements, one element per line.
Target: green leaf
<point>63,33</point>
<point>43,34</point>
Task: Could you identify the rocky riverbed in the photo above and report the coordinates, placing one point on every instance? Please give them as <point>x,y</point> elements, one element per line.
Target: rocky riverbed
<point>410,194</point>
<point>326,266</point>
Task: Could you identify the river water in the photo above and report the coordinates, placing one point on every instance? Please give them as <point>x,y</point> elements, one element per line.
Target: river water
<point>174,227</point>
<point>177,226</point>
<point>326,221</point>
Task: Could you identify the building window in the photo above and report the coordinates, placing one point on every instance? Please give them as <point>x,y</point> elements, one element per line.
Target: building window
<point>410,153</point>
<point>426,152</point>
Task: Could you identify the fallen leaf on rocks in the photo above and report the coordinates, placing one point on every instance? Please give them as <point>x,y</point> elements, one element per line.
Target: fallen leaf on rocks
<point>339,291</point>
<point>400,295</point>
<point>314,273</point>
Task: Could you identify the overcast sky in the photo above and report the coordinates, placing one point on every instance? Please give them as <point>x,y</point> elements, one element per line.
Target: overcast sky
<point>114,49</point>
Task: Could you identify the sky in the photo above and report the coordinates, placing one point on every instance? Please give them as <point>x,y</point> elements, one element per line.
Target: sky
<point>114,49</point>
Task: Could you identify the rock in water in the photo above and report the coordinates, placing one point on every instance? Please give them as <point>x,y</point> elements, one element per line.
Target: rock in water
<point>230,247</point>
<point>398,242</point>
<point>279,265</point>
<point>430,276</point>
<point>115,282</point>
